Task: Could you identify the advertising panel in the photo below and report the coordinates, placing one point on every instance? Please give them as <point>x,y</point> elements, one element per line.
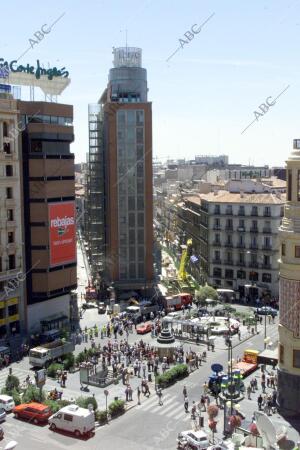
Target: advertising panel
<point>62,230</point>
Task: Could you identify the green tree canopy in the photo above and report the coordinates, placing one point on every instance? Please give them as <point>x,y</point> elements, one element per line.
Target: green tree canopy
<point>205,292</point>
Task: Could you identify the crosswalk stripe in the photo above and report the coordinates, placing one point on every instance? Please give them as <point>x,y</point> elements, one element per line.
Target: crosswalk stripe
<point>168,408</point>
<point>165,402</point>
<point>149,404</point>
<point>186,418</point>
<point>178,415</point>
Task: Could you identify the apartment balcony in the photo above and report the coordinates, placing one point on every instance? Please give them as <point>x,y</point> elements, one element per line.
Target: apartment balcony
<point>241,264</point>
<point>240,245</point>
<point>268,248</point>
<point>11,223</point>
<point>241,229</point>
<point>241,213</point>
<point>266,266</point>
<point>229,228</point>
<point>254,214</point>
<point>267,230</point>
<point>228,213</point>
<point>229,244</point>
<point>216,244</point>
<point>217,261</point>
<point>217,227</point>
<point>10,202</point>
<point>229,262</point>
<point>254,230</point>
<point>267,214</point>
<point>253,265</point>
<point>253,247</point>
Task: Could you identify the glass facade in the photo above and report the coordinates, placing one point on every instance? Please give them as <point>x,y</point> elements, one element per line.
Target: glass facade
<point>131,192</point>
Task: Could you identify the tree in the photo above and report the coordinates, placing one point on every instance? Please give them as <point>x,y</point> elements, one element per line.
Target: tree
<point>205,292</point>
<point>11,383</point>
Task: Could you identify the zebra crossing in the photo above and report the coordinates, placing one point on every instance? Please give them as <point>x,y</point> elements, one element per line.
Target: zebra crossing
<point>20,373</point>
<point>171,408</point>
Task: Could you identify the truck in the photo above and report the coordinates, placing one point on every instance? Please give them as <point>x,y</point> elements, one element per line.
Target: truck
<point>177,301</point>
<point>249,362</point>
<point>43,355</point>
<point>137,312</point>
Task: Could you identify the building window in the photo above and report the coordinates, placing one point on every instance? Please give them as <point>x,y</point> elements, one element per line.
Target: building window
<point>9,192</point>
<point>253,276</point>
<point>229,209</point>
<point>296,359</point>
<point>241,210</point>
<point>217,238</point>
<point>242,258</point>
<point>217,272</point>
<point>289,186</point>
<point>6,148</point>
<point>217,224</point>
<point>283,249</point>
<point>9,171</point>
<point>241,274</point>
<point>10,237</point>
<point>229,274</point>
<point>10,214</point>
<point>5,129</point>
<point>267,211</point>
<point>297,251</point>
<point>12,310</point>
<point>217,255</point>
<point>0,264</point>
<point>36,146</point>
<point>242,224</point>
<point>266,278</point>
<point>11,262</point>
<point>254,211</point>
<point>217,209</point>
<point>281,353</point>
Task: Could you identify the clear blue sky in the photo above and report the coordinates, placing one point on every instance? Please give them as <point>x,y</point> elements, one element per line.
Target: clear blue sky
<point>207,93</point>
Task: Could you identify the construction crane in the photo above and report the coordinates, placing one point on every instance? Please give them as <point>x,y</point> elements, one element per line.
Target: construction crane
<point>184,259</point>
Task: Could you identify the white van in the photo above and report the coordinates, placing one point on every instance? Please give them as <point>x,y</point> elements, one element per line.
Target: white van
<point>6,402</point>
<point>74,419</point>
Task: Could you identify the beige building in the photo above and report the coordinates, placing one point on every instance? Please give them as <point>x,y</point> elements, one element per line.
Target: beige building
<point>289,297</point>
<point>243,240</point>
<point>11,241</point>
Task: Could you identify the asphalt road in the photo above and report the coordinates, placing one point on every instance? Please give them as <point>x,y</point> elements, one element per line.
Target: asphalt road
<point>147,426</point>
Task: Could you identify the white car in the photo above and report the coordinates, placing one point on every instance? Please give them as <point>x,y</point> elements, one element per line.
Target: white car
<point>6,402</point>
<point>196,439</point>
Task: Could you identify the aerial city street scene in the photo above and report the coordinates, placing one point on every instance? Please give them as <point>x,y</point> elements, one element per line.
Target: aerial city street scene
<point>150,225</point>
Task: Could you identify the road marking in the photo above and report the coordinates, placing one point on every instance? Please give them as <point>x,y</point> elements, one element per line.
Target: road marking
<point>173,405</point>
<point>181,414</point>
<point>150,404</point>
<point>175,412</point>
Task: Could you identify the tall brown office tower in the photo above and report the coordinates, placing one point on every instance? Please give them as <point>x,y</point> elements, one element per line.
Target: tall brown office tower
<point>124,137</point>
<point>49,212</point>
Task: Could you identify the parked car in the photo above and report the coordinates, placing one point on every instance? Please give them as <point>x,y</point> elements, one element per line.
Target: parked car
<point>88,305</point>
<point>7,402</point>
<point>74,419</point>
<point>2,415</point>
<point>195,439</point>
<point>101,308</point>
<point>33,412</point>
<point>267,310</point>
<point>144,328</point>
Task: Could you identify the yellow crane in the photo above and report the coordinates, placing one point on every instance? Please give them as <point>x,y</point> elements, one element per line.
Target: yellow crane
<point>184,259</point>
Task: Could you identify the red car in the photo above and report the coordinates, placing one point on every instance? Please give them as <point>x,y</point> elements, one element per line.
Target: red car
<point>33,412</point>
<point>144,328</point>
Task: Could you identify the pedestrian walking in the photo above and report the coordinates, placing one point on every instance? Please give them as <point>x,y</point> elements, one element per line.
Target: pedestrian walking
<point>184,392</point>
<point>259,402</point>
<point>186,404</point>
<point>138,395</point>
<point>249,392</point>
<point>160,394</point>
<point>127,393</point>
